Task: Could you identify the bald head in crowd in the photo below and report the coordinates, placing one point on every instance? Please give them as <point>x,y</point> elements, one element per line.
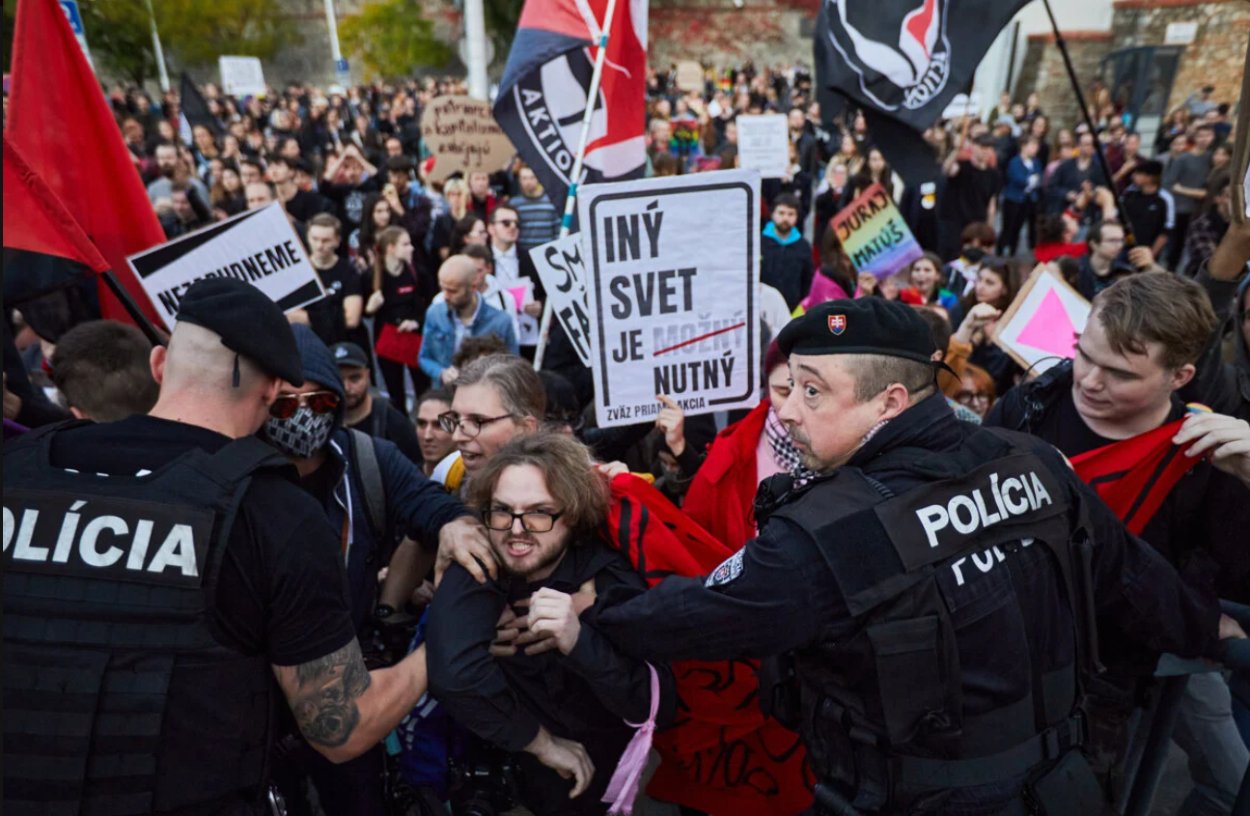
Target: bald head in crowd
<point>458,278</point>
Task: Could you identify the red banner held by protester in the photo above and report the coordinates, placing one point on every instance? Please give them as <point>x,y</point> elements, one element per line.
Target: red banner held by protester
<point>723,756</point>
<point>1134,476</point>
<point>59,120</point>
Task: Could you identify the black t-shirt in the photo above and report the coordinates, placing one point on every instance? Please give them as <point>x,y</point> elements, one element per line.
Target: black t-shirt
<point>405,296</point>
<point>1147,214</point>
<point>969,193</point>
<point>389,423</point>
<point>350,200</point>
<point>281,590</point>
<point>326,315</point>
<point>305,204</point>
<point>1201,524</point>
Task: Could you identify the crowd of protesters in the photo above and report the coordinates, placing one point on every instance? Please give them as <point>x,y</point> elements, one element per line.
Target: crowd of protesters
<point>420,277</point>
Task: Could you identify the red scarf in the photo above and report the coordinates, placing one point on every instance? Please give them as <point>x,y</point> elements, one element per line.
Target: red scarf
<point>723,756</point>
<point>1134,476</point>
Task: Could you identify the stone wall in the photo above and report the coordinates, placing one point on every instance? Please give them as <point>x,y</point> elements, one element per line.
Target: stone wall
<point>770,32</point>
<point>717,33</point>
<point>1044,72</point>
<point>1215,57</point>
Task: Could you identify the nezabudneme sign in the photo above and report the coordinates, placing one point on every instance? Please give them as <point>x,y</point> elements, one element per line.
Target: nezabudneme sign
<point>258,246</point>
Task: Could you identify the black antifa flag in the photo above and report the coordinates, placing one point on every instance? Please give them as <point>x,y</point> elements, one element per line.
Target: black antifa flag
<point>194,111</point>
<point>902,61</point>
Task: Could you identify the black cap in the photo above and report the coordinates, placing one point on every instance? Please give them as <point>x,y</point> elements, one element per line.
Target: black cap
<point>349,354</point>
<point>250,324</point>
<point>1150,167</point>
<point>869,325</point>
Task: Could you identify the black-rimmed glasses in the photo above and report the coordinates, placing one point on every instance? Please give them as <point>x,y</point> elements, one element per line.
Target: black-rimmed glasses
<point>470,425</point>
<point>534,521</point>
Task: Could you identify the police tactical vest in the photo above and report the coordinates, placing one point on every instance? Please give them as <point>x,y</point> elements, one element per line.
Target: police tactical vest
<point>885,712</point>
<point>118,698</point>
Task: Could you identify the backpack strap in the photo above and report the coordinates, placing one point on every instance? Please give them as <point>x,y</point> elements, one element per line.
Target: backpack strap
<point>365,459</point>
<point>381,411</point>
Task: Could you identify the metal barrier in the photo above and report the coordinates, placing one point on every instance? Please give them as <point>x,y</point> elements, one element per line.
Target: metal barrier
<point>1142,780</point>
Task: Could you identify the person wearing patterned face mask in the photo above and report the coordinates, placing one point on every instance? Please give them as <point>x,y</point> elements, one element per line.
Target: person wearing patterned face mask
<point>385,513</point>
<point>301,420</point>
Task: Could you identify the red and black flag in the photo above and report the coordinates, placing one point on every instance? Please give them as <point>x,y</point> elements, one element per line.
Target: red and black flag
<point>193,110</point>
<point>65,132</point>
<point>543,96</point>
<point>902,61</point>
<point>1134,476</point>
<point>49,263</point>
<point>723,756</point>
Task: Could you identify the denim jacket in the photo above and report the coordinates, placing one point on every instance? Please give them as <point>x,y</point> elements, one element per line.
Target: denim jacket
<point>439,337</point>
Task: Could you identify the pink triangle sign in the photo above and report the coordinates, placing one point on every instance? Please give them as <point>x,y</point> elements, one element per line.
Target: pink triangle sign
<point>518,294</point>
<point>1050,329</point>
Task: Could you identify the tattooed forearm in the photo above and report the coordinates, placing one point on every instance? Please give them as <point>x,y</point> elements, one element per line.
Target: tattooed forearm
<point>323,695</point>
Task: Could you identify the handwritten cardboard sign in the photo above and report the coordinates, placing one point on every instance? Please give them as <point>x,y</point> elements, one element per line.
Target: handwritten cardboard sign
<point>462,134</point>
<point>689,76</point>
<point>874,234</point>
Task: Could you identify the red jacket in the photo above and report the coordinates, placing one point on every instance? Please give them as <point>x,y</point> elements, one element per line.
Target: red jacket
<point>721,497</point>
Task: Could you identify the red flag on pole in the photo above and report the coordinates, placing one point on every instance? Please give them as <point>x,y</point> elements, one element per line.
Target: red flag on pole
<point>59,121</point>
<point>49,263</point>
<point>35,220</point>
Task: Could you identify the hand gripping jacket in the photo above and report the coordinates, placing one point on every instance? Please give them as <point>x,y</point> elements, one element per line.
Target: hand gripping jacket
<point>934,577</point>
<point>118,698</point>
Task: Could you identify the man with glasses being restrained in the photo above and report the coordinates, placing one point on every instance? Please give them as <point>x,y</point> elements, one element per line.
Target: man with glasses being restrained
<point>561,704</point>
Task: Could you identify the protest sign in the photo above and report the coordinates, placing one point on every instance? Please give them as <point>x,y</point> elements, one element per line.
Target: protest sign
<point>241,76</point>
<point>257,246</point>
<point>764,144</point>
<point>1040,327</point>
<point>563,273</point>
<point>963,105</point>
<point>674,293</point>
<point>689,76</point>
<point>874,235</point>
<point>463,135</point>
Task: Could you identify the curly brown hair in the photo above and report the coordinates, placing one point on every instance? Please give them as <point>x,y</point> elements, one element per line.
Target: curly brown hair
<point>579,490</point>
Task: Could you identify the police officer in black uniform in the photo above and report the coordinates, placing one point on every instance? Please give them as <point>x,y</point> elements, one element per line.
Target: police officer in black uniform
<point>931,589</point>
<point>159,573</point>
